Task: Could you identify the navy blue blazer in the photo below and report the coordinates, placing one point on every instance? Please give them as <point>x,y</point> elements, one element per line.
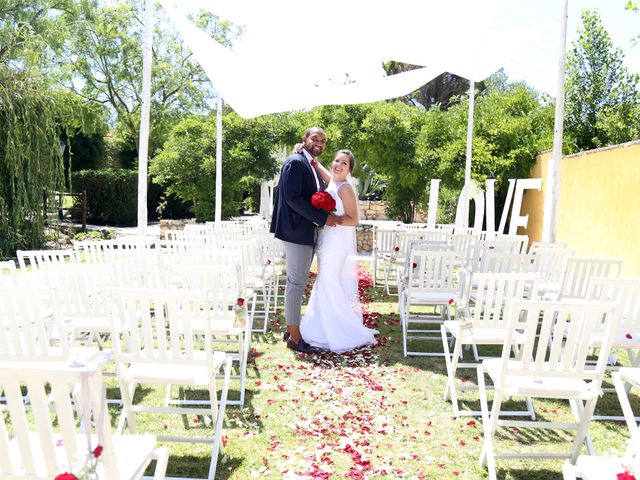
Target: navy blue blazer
<point>294,220</point>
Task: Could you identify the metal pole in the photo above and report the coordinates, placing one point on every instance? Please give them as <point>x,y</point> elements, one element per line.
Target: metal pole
<point>467,168</point>
<point>143,144</point>
<point>552,187</point>
<point>218,215</point>
<point>464,214</point>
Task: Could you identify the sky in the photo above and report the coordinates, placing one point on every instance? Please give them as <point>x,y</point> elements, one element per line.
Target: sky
<point>539,57</point>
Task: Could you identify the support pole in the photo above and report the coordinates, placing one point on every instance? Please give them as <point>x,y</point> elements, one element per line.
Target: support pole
<point>552,187</point>
<point>462,217</point>
<point>472,98</point>
<point>218,215</point>
<point>143,144</point>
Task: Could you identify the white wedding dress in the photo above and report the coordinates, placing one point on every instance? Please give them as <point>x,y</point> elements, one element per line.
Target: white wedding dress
<point>333,319</point>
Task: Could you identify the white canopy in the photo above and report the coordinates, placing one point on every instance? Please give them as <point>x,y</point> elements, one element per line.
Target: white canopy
<point>332,53</point>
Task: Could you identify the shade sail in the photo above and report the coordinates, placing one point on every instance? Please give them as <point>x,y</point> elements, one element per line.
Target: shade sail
<point>333,53</point>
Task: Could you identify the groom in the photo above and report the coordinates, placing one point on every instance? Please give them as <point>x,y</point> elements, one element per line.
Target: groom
<point>295,222</point>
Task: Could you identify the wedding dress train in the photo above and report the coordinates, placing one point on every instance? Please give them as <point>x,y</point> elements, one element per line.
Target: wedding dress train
<point>333,319</point>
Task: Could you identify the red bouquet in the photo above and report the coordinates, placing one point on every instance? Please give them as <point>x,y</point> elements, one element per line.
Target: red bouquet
<point>323,201</point>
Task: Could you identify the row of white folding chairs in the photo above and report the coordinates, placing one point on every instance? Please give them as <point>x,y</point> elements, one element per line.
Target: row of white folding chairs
<point>85,309</point>
<point>479,318</point>
<point>391,247</point>
<point>262,271</point>
<point>429,279</point>
<point>155,334</point>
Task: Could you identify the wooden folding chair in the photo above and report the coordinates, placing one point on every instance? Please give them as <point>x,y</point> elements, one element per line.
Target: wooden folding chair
<point>165,338</point>
<point>483,323</point>
<point>553,366</point>
<point>591,467</point>
<point>432,283</point>
<point>65,420</point>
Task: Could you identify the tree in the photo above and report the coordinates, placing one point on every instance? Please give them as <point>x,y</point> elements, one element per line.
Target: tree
<point>105,52</point>
<point>32,30</point>
<point>387,142</point>
<point>186,164</point>
<point>602,99</point>
<point>30,157</point>
<point>444,90</point>
<point>511,125</point>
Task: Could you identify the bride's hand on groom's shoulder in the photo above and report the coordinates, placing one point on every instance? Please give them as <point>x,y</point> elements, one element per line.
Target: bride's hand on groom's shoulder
<point>297,148</point>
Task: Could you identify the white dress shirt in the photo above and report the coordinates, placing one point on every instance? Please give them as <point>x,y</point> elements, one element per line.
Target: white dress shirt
<point>315,174</point>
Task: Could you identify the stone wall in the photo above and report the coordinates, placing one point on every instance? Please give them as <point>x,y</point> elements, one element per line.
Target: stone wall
<point>173,225</point>
<point>375,211</point>
<point>372,210</point>
<point>364,238</point>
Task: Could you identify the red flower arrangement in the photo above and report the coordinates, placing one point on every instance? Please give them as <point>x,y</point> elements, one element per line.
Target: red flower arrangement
<point>626,475</point>
<point>240,311</point>
<point>323,201</point>
<point>88,470</point>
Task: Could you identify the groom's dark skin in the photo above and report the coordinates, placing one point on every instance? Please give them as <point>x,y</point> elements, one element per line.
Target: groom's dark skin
<point>314,142</point>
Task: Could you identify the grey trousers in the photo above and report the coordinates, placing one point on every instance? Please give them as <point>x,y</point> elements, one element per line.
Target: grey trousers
<point>298,258</point>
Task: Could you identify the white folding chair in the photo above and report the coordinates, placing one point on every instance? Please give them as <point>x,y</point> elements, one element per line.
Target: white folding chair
<point>81,291</point>
<point>140,268</point>
<point>258,277</point>
<point>500,262</point>
<point>626,293</point>
<point>32,326</point>
<point>590,467</point>
<point>166,339</point>
<point>463,242</point>
<point>394,264</point>
<point>432,283</point>
<point>482,247</point>
<point>63,423</point>
<point>579,270</point>
<point>36,258</point>
<point>522,242</point>
<point>552,261</point>
<point>483,323</point>
<point>384,241</point>
<point>8,273</point>
<point>537,246</point>
<point>224,285</point>
<point>554,366</point>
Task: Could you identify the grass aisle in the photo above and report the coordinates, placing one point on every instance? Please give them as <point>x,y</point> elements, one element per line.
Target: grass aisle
<point>370,414</point>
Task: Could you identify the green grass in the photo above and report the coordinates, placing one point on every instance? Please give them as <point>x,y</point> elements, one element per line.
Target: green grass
<point>372,414</point>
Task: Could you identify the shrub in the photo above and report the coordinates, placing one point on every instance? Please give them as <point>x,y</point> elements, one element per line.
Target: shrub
<point>112,195</point>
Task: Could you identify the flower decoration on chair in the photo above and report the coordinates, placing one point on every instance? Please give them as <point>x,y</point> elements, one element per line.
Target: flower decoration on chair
<point>626,474</point>
<point>323,201</point>
<point>88,469</point>
<point>241,313</point>
<point>394,254</point>
<point>462,313</point>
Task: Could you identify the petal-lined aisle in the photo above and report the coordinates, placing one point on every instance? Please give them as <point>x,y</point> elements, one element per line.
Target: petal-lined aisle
<point>357,415</point>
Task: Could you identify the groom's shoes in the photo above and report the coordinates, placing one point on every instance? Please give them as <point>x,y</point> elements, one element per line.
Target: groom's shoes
<point>301,346</point>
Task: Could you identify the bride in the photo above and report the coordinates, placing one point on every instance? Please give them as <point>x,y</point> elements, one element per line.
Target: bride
<point>333,319</point>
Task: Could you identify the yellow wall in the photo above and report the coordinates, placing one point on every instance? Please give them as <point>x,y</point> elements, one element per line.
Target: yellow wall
<point>599,203</point>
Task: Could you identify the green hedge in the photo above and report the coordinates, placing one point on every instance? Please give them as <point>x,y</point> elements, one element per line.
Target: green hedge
<point>112,195</point>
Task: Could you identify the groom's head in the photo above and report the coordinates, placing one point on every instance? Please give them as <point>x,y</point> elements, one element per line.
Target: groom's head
<point>314,141</point>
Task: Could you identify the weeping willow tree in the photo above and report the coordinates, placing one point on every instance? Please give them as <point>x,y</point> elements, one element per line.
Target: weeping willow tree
<point>30,157</point>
